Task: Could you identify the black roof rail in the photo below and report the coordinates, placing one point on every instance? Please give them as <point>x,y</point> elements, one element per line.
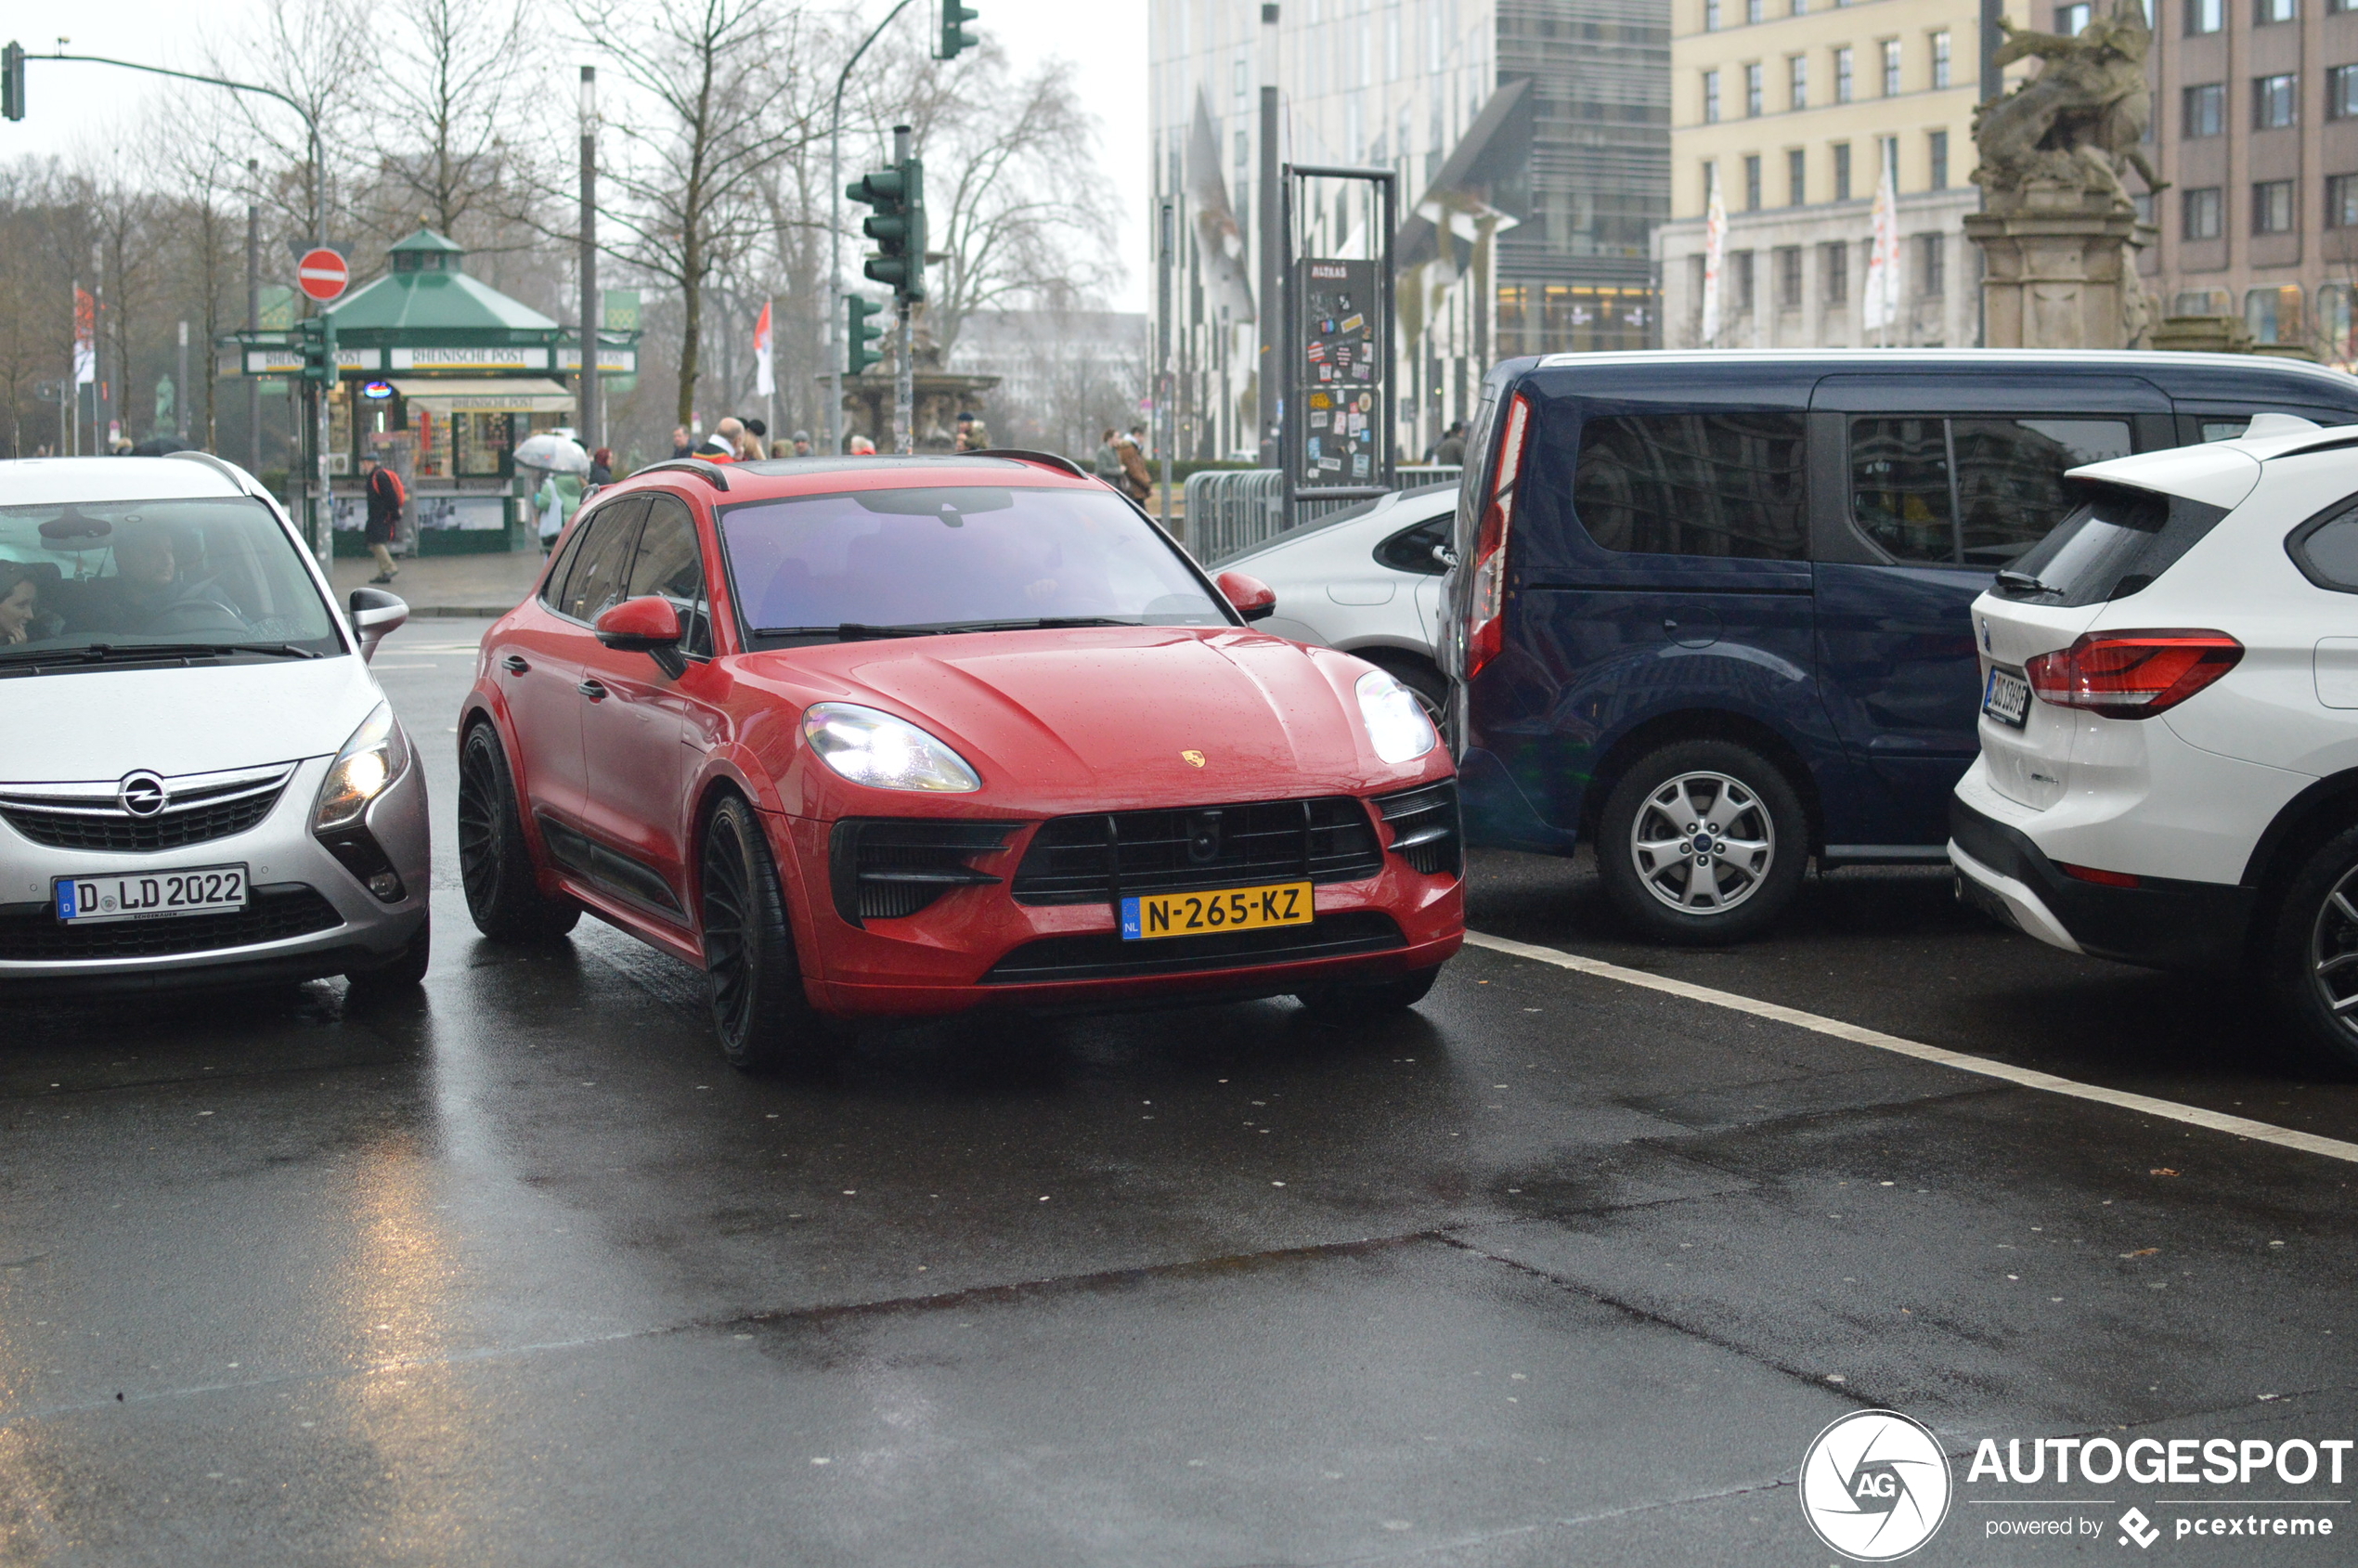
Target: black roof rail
<point>711,473</point>
<point>1017,454</point>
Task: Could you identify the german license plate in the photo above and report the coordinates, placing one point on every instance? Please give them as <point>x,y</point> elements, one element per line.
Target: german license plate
<point>2006,697</point>
<point>84,900</point>
<point>1233,909</point>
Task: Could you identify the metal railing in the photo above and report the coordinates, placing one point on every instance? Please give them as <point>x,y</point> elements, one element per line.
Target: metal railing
<point>1230,511</point>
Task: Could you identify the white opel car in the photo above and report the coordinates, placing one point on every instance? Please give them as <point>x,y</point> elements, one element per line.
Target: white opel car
<point>2168,769</point>
<point>202,783</point>
<point>1366,580</point>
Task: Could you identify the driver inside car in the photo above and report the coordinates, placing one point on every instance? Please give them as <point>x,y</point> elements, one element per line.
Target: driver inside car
<point>148,585</point>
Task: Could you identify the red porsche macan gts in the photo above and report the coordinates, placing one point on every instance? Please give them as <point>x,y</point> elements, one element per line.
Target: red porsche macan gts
<point>902,736</point>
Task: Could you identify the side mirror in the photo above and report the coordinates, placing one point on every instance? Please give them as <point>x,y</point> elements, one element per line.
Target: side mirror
<point>1254,600</point>
<point>647,625</point>
<point>376,615</point>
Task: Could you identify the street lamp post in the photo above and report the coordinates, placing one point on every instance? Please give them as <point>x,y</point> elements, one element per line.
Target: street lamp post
<point>592,424</point>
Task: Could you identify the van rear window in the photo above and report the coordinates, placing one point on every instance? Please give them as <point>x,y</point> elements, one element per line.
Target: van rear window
<point>1729,485</point>
<point>2115,543</point>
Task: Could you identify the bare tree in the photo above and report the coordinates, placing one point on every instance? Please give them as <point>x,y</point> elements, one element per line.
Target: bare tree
<point>449,89</point>
<point>203,222</point>
<point>316,53</point>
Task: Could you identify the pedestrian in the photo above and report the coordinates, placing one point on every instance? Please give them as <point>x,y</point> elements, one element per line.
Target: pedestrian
<point>602,467</point>
<point>754,445</point>
<point>680,444</point>
<point>716,448</point>
<point>972,436</point>
<point>862,447</point>
<point>1137,482</point>
<point>1108,463</point>
<point>386,497</point>
<point>1451,453</point>
<point>802,443</point>
<point>558,498</point>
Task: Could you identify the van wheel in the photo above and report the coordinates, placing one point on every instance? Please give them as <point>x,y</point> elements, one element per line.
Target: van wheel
<point>1701,842</point>
<point>758,1008</point>
<point>503,894</point>
<point>2311,961</point>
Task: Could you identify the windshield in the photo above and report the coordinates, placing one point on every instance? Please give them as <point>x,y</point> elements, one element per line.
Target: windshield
<point>94,580</point>
<point>940,559</point>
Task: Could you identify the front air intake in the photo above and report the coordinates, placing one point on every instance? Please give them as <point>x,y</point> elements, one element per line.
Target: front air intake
<point>1424,828</point>
<point>883,868</point>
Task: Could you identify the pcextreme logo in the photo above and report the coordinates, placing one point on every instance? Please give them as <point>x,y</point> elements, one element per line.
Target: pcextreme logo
<point>1875,1486</point>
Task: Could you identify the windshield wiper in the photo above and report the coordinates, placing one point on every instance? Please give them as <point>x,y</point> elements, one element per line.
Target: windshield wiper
<point>847,631</point>
<point>1045,623</point>
<point>2023,582</point>
<point>99,653</point>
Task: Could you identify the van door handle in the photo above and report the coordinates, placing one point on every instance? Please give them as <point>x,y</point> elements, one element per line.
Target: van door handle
<point>592,690</point>
<point>514,664</point>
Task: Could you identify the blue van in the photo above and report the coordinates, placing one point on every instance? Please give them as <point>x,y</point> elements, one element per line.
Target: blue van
<point>1710,608</point>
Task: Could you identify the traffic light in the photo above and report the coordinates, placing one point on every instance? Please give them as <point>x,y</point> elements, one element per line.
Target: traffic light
<point>861,333</point>
<point>898,226</point>
<point>955,35</point>
<point>12,81</point>
<point>316,338</point>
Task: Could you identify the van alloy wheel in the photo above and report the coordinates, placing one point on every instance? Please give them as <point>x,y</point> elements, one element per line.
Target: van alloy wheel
<point>1702,843</point>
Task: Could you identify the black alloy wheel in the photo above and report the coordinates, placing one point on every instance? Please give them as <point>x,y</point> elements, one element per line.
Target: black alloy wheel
<point>495,864</point>
<point>1701,842</point>
<point>1366,999</point>
<point>2311,961</point>
<point>759,1010</point>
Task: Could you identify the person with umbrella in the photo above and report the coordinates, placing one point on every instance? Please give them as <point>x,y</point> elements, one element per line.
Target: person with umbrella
<point>562,463</point>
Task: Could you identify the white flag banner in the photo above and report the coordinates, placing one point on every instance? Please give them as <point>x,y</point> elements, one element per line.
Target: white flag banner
<point>1882,300</point>
<point>1715,257</point>
<point>764,382</point>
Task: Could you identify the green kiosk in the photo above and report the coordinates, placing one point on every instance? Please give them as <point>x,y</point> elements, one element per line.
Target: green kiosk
<point>443,376</point>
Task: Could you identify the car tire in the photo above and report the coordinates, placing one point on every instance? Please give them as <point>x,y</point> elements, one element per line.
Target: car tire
<point>764,1020</point>
<point>2310,962</point>
<point>1671,799</point>
<point>405,972</point>
<point>1369,998</point>
<point>495,864</point>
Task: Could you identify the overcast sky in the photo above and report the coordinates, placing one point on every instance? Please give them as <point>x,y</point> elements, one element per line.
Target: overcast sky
<point>72,105</point>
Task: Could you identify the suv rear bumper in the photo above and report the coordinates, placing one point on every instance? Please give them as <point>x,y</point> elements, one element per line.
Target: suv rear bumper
<point>2162,924</point>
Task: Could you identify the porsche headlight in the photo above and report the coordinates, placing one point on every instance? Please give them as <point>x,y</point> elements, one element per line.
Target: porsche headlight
<point>372,759</point>
<point>876,749</point>
<point>1396,724</point>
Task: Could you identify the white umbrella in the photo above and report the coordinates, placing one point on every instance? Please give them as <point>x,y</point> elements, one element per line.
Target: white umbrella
<point>558,453</point>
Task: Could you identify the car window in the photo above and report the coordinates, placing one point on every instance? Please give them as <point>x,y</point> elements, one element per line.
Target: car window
<point>1729,485</point>
<point>2113,543</point>
<point>1972,491</point>
<point>598,578</point>
<point>2326,548</point>
<point>1411,550</point>
<point>670,564</point>
<point>552,592</point>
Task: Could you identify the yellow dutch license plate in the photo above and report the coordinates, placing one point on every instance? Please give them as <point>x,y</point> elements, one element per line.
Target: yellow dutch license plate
<point>1149,916</point>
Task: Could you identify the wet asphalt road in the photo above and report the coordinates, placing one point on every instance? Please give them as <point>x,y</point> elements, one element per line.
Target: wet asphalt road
<point>1556,1270</point>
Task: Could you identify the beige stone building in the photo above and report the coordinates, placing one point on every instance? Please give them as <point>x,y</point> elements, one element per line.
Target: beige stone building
<point>1790,105</point>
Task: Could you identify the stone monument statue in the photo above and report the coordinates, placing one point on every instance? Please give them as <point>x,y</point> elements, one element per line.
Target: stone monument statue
<point>2059,233</point>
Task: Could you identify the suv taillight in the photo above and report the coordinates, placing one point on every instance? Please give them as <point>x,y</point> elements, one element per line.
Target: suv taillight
<point>2132,674</point>
<point>1487,604</point>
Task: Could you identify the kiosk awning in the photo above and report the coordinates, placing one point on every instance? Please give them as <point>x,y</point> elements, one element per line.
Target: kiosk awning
<point>500,396</point>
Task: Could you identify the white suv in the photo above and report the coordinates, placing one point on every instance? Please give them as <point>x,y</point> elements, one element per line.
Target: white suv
<point>2168,769</point>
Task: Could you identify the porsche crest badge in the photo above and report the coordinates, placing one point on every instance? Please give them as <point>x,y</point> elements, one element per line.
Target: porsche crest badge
<point>1192,759</point>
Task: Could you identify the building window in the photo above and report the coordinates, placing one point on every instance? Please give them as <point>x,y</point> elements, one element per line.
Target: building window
<point>1934,268</point>
<point>1711,16</point>
<point>2334,323</point>
<point>2206,108</point>
<point>1742,275</point>
<point>1789,276</point>
<point>1797,81</point>
<point>1842,76</point>
<point>1939,140</point>
<point>1891,68</point>
<point>2272,207</point>
<point>1842,170</point>
<point>2341,93</point>
<point>2206,16</point>
<point>1710,182</point>
<point>1837,272</point>
<point>2203,302</point>
<point>1752,182</point>
<point>1939,60</point>
<point>2072,20</point>
<point>2273,313</point>
<point>1797,179</point>
<point>2266,11</point>
<point>2342,4</point>
<point>2342,201</point>
<point>1710,98</point>
<point>1756,11</point>
<point>2272,102</point>
<point>2143,206</point>
<point>1754,93</point>
<point>2200,210</point>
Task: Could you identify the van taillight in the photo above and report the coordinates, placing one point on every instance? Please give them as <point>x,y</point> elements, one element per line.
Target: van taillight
<point>2132,674</point>
<point>1486,608</point>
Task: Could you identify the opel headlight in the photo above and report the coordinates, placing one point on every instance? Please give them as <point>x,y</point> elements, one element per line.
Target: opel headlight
<point>370,761</point>
<point>1396,723</point>
<point>876,749</point>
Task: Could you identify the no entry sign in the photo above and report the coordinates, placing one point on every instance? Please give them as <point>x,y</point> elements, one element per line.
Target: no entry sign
<point>322,274</point>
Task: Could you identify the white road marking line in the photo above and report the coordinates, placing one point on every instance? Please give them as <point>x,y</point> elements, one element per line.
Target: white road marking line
<point>2028,1078</point>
